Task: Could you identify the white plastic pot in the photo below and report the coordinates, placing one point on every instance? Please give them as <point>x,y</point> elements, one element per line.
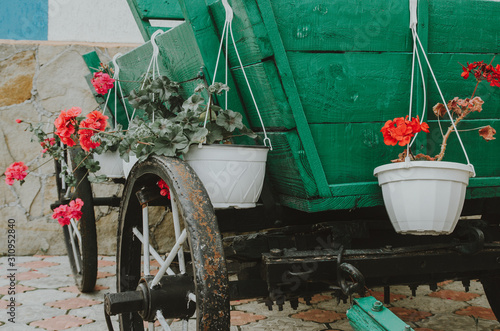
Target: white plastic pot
<point>233,175</point>
<point>111,164</point>
<point>424,197</point>
<point>127,166</point>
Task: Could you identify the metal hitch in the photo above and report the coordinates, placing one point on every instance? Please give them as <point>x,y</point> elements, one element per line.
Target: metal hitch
<point>171,296</point>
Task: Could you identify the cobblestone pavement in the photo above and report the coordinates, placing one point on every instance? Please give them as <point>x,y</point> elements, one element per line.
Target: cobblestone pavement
<point>48,300</point>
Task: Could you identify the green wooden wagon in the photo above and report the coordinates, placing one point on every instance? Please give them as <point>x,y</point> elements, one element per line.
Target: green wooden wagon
<point>326,76</point>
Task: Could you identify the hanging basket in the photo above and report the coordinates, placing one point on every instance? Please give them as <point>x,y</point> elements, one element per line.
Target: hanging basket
<point>424,197</point>
<point>111,164</point>
<point>127,165</point>
<point>232,174</point>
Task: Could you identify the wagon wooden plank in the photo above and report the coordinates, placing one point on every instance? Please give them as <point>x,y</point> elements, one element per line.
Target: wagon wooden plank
<point>454,26</point>
<point>352,87</point>
<point>287,166</point>
<point>162,9</point>
<point>339,25</point>
<point>198,17</point>
<point>293,97</point>
<point>249,31</point>
<point>269,94</point>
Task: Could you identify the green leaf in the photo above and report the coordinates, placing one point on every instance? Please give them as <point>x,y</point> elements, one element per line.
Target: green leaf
<point>193,102</point>
<point>230,120</point>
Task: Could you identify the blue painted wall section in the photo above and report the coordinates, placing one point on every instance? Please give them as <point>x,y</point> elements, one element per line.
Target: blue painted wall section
<point>24,19</point>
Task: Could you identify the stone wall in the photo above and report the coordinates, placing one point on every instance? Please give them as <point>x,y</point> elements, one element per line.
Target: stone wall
<point>37,81</point>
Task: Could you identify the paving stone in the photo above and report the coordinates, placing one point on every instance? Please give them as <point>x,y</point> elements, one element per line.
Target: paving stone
<point>61,322</point>
<point>379,295</point>
<point>475,287</point>
<point>283,323</point>
<point>319,315</point>
<point>241,302</point>
<point>104,274</point>
<point>28,275</point>
<point>51,282</point>
<point>452,322</point>
<point>72,303</point>
<point>29,313</point>
<point>239,318</point>
<point>4,290</point>
<point>38,264</point>
<point>105,263</point>
<point>39,297</point>
<point>478,312</point>
<point>454,295</point>
<point>434,305</point>
<point>410,315</point>
<point>317,298</point>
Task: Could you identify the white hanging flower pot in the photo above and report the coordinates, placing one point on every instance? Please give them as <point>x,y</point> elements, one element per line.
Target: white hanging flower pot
<point>111,164</point>
<point>127,165</point>
<point>424,197</point>
<point>232,174</point>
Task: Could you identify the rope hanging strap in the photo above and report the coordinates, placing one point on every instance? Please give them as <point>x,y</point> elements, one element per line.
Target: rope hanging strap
<point>226,31</point>
<point>153,66</point>
<point>116,77</point>
<point>416,44</point>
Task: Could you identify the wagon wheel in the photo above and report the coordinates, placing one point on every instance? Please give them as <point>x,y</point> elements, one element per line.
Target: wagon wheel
<point>80,237</point>
<point>191,287</point>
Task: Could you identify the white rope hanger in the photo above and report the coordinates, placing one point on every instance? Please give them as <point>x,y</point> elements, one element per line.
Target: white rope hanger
<point>118,86</point>
<point>416,44</point>
<point>226,31</point>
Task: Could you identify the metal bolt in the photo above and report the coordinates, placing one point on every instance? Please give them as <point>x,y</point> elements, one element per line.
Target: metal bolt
<point>498,260</point>
<point>407,328</point>
<point>276,252</point>
<point>377,306</point>
<point>389,247</point>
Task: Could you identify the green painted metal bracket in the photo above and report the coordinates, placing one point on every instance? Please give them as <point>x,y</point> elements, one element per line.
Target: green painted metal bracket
<point>93,63</point>
<point>369,314</point>
<point>198,16</point>
<point>292,94</point>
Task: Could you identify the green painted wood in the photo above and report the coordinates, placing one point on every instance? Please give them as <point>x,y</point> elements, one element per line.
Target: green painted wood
<point>249,31</point>
<point>352,87</point>
<point>467,26</point>
<point>362,317</point>
<point>293,97</point>
<point>339,25</point>
<point>448,70</point>
<point>198,17</point>
<point>268,91</point>
<point>158,9</point>
<point>484,155</point>
<point>316,205</point>
<point>350,151</point>
<point>288,168</point>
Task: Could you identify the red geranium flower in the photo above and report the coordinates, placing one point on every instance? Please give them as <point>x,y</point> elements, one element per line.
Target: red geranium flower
<point>16,171</point>
<point>164,189</point>
<point>102,82</point>
<point>95,121</point>
<point>401,130</point>
<point>65,125</point>
<point>64,213</point>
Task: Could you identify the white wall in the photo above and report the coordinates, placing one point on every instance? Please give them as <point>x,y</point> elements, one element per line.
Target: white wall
<point>92,21</point>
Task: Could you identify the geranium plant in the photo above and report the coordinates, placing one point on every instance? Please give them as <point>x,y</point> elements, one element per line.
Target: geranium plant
<point>401,130</point>
<point>163,123</point>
